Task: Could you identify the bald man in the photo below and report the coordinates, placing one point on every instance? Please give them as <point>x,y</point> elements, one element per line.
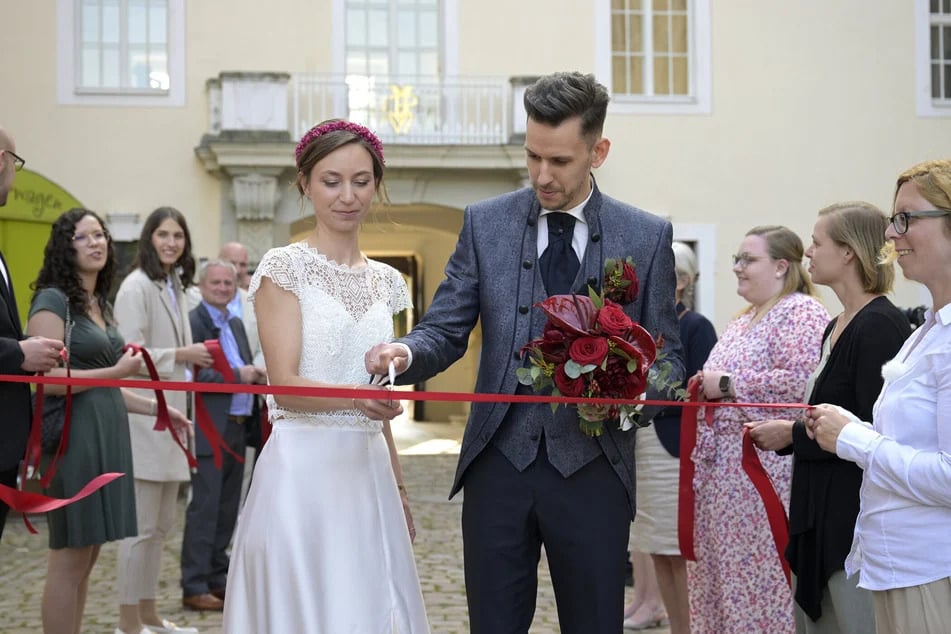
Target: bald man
<point>17,355</point>
<point>237,254</point>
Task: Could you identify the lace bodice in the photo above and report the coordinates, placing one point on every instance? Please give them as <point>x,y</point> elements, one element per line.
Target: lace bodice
<point>344,312</point>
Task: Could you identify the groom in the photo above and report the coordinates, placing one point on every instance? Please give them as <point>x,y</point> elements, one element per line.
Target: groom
<point>531,477</point>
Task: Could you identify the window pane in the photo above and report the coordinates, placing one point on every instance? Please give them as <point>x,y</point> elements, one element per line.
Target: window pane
<point>89,76</point>
<point>138,66</point>
<point>356,63</point>
<point>636,75</point>
<point>661,77</point>
<point>378,28</point>
<point>406,28</point>
<point>90,21</point>
<point>407,66</point>
<point>356,28</point>
<point>110,67</point>
<point>936,81</point>
<point>137,21</point>
<point>618,35</point>
<point>110,21</point>
<point>947,82</point>
<point>946,9</point>
<point>158,23</point>
<point>619,79</point>
<point>428,29</point>
<point>679,5</point>
<point>681,77</point>
<point>935,44</point>
<point>158,73</point>
<point>934,6</point>
<point>678,27</point>
<point>946,40</point>
<point>429,64</point>
<point>661,36</point>
<point>635,25</point>
<point>661,5</point>
<point>378,63</point>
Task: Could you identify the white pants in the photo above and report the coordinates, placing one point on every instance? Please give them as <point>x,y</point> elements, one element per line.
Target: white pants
<point>140,557</point>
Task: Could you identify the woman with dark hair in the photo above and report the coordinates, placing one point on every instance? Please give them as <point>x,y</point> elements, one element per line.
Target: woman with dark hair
<point>152,311</point>
<point>77,273</point>
<point>323,544</point>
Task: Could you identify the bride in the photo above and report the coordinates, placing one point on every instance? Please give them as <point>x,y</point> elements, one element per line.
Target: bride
<point>323,544</point>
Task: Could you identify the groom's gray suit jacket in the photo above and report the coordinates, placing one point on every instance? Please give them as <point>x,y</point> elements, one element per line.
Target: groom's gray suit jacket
<point>493,275</point>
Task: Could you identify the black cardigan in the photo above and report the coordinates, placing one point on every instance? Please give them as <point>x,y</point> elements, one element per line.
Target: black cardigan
<point>824,502</point>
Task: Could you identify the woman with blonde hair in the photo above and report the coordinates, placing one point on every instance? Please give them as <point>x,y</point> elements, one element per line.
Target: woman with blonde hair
<point>765,355</point>
<point>902,546</point>
<point>846,242</point>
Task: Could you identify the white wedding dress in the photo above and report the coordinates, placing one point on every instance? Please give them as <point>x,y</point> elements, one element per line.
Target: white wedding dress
<point>321,546</point>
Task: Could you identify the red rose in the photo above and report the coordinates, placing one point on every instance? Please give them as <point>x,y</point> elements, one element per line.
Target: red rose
<point>630,291</point>
<point>612,320</point>
<point>567,385</point>
<point>588,350</point>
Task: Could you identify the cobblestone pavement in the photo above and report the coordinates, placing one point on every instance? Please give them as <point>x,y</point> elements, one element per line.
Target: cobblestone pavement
<point>428,460</point>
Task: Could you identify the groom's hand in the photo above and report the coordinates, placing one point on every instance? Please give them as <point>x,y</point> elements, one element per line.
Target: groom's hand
<point>378,358</point>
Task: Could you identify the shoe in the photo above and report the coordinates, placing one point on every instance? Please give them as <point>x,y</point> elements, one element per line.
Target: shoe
<point>218,592</point>
<point>657,619</point>
<point>168,627</point>
<point>144,630</point>
<point>202,602</point>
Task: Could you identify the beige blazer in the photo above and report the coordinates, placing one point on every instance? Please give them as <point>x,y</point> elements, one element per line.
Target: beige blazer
<point>146,316</point>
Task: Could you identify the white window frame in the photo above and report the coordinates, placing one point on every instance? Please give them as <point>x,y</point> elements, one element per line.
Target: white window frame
<point>69,92</point>
<point>449,47</point>
<point>925,105</point>
<point>699,100</point>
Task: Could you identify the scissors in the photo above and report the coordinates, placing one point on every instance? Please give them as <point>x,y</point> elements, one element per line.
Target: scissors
<point>388,381</point>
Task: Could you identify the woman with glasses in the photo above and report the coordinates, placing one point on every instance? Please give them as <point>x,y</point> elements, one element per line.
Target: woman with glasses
<point>902,543</point>
<point>846,242</point>
<point>765,355</point>
<point>152,312</point>
<point>71,291</point>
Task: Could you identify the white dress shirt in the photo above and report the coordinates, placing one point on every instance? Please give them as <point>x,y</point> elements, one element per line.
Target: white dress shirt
<point>580,238</point>
<point>903,533</point>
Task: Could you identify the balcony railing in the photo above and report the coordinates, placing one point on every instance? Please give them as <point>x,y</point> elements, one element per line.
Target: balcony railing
<point>416,111</point>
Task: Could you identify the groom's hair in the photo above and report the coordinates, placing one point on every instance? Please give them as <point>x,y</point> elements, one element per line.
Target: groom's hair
<point>560,96</point>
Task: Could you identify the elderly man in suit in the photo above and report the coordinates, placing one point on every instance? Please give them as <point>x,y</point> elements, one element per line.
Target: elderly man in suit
<point>216,494</point>
<point>531,478</point>
<point>17,355</point>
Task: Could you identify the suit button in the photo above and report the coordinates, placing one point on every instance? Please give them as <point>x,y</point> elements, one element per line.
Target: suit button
<point>517,354</point>
<point>523,309</point>
<point>535,437</point>
<point>596,237</point>
<point>615,459</point>
<point>592,281</point>
<point>527,264</point>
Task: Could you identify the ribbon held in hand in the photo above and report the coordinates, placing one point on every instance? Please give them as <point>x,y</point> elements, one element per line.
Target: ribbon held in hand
<point>203,419</point>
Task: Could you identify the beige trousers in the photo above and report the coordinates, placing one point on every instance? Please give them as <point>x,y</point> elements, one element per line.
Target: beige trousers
<point>924,609</point>
<point>140,557</point>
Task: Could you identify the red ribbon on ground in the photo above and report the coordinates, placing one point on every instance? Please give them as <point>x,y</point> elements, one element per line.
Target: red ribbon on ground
<point>202,418</point>
<point>775,512</point>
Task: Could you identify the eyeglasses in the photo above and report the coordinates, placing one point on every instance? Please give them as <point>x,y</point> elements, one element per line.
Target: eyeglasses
<point>900,220</point>
<point>87,238</point>
<point>743,260</point>
<point>18,161</point>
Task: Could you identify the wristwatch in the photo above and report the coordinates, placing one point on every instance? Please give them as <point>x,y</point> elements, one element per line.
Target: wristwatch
<point>725,384</point>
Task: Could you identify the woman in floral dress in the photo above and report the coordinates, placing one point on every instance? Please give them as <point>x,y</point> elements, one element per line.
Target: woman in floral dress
<point>765,355</point>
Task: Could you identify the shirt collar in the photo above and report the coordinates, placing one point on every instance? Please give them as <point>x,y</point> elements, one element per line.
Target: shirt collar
<point>217,315</point>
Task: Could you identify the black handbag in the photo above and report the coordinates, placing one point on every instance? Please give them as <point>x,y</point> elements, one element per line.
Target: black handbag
<point>54,407</point>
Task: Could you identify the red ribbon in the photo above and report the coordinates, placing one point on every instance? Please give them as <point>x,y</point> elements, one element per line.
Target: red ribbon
<point>202,418</point>
<point>28,502</point>
<point>162,420</point>
<point>775,512</point>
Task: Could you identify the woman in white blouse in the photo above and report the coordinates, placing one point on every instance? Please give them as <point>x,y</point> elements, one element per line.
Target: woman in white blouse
<point>902,544</point>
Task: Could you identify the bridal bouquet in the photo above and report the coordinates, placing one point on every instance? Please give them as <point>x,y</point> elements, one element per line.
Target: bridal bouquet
<point>591,348</point>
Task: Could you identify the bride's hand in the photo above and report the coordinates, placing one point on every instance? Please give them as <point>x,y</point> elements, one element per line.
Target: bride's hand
<point>384,408</point>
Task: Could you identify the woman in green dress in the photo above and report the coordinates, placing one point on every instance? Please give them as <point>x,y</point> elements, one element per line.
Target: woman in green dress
<point>78,267</point>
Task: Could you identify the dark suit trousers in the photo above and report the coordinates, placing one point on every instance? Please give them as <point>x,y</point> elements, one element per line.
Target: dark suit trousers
<point>211,517</point>
<point>583,522</point>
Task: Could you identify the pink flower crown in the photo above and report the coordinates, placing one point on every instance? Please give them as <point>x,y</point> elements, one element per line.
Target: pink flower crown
<point>340,124</point>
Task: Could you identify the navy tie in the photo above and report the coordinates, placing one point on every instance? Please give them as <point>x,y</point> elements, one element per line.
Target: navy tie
<point>559,262</point>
